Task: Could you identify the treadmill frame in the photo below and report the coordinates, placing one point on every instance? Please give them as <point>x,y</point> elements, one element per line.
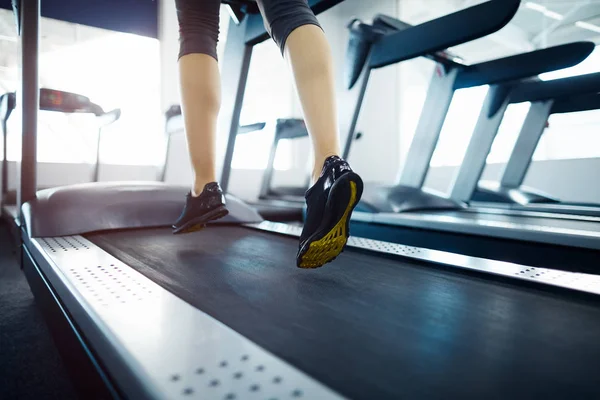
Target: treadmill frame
<point>521,157</point>
<point>111,308</point>
<point>114,330</point>
<point>542,94</point>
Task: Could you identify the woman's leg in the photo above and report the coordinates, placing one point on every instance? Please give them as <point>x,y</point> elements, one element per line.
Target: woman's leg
<point>309,56</point>
<point>200,84</point>
<point>293,26</point>
<point>200,102</point>
<point>336,189</point>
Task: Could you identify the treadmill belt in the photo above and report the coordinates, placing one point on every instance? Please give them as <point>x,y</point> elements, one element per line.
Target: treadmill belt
<point>373,327</point>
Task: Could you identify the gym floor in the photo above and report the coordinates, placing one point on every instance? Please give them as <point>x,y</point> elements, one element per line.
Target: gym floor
<point>30,366</point>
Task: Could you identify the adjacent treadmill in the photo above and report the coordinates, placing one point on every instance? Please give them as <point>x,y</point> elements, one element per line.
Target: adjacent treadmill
<point>273,204</point>
<point>174,125</point>
<point>50,100</point>
<point>224,314</point>
<point>574,94</point>
<point>408,214</point>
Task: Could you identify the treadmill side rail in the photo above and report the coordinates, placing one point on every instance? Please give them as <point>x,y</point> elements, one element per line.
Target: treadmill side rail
<point>144,335</point>
<point>569,280</point>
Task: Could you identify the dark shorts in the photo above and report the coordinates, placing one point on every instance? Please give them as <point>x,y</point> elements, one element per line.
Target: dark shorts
<point>199,22</point>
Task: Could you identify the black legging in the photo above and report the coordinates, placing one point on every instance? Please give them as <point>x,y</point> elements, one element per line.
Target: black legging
<point>199,22</point>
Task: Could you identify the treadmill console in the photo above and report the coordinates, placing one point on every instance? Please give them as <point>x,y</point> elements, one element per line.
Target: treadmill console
<point>66,102</point>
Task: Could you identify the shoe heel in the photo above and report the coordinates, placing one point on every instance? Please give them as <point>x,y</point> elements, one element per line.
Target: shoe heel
<point>344,196</point>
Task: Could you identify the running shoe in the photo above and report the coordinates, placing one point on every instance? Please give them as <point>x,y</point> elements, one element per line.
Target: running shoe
<point>198,211</point>
<point>330,202</point>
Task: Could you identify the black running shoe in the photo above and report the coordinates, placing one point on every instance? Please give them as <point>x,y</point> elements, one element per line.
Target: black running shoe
<point>330,202</point>
<point>198,211</point>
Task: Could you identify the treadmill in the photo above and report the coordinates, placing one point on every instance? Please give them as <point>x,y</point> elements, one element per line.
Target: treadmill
<point>408,214</point>
<point>574,94</point>
<point>269,205</point>
<point>223,314</point>
<point>174,125</point>
<point>50,100</point>
<point>285,197</point>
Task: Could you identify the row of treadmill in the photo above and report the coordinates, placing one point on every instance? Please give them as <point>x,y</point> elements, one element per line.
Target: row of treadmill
<point>488,292</point>
<point>492,219</point>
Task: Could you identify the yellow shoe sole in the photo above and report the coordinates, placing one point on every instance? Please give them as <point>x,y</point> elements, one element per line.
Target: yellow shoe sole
<point>327,248</point>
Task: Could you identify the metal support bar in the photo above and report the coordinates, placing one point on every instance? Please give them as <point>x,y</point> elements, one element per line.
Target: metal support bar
<point>265,186</point>
<point>527,141</point>
<point>236,64</point>
<point>490,118</point>
<point>96,171</point>
<point>3,108</point>
<point>30,100</point>
<point>4,161</point>
<point>360,96</point>
<point>433,115</point>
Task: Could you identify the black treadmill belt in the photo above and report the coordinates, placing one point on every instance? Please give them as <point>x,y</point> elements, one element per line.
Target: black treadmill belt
<point>377,328</point>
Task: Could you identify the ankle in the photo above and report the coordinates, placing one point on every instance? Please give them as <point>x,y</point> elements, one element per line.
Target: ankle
<point>320,163</point>
<point>199,185</point>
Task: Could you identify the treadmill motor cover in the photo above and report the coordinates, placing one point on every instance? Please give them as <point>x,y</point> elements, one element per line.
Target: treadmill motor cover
<point>93,207</point>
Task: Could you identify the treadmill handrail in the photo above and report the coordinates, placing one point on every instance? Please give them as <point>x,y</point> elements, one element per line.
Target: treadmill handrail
<point>175,111</point>
<point>87,106</point>
<point>447,31</point>
<point>586,102</point>
<point>444,57</point>
<point>546,90</point>
<point>523,65</point>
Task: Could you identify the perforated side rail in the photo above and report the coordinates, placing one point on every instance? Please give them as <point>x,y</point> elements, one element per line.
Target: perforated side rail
<point>570,280</point>
<point>511,226</point>
<point>174,349</point>
<point>104,283</point>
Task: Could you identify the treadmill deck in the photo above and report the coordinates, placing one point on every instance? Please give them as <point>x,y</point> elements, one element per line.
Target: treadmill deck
<point>376,327</point>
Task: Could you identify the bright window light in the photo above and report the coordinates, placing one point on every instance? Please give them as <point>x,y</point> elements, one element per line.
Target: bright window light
<point>570,136</point>
<point>553,15</point>
<point>535,6</point>
<point>508,132</point>
<point>588,26</point>
<point>588,66</point>
<point>544,10</point>
<point>458,126</point>
<point>115,70</point>
<point>269,96</point>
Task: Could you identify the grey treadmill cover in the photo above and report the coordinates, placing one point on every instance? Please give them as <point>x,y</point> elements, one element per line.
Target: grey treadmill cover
<point>92,207</point>
<point>401,198</point>
<point>523,195</point>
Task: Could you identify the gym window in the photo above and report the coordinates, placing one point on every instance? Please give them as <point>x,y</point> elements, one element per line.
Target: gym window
<point>115,70</point>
